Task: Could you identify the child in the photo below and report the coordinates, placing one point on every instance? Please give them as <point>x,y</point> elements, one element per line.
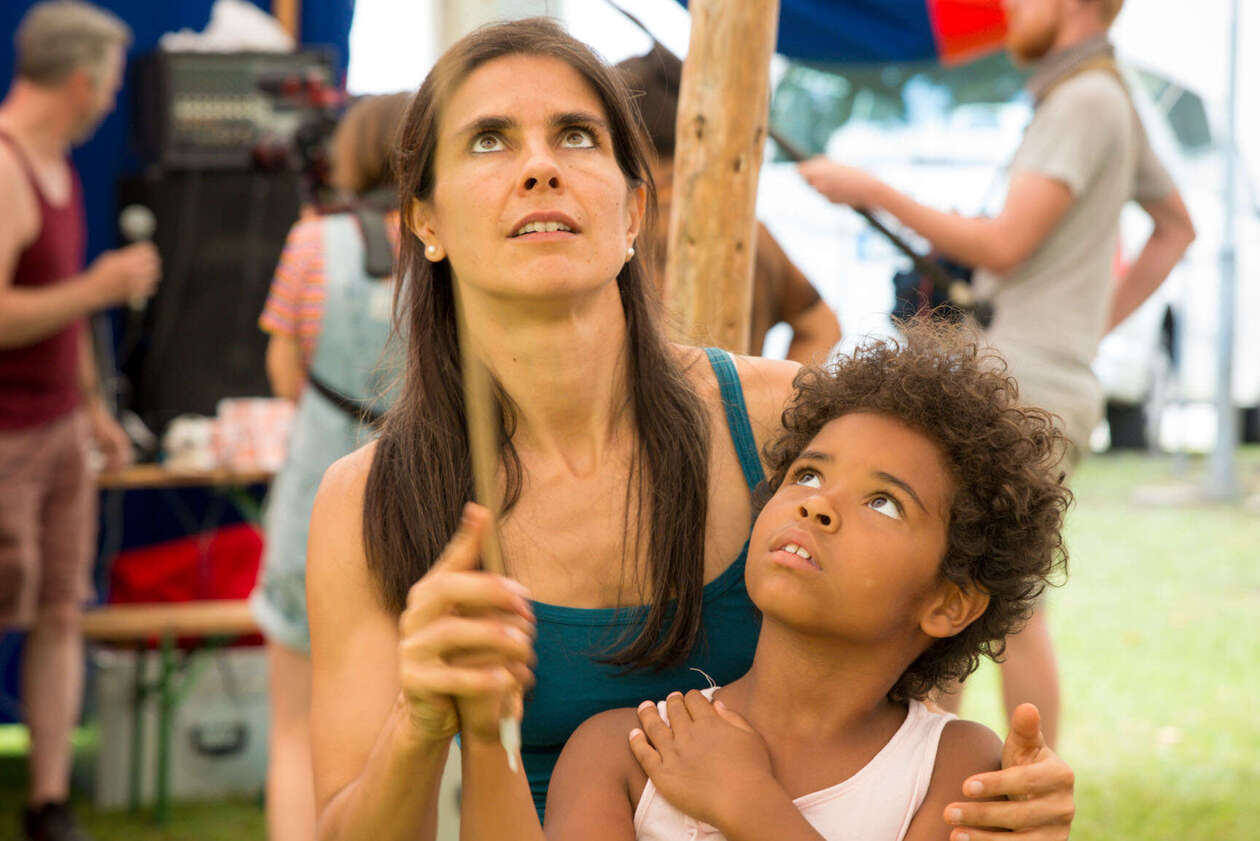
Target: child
<point>913,516</point>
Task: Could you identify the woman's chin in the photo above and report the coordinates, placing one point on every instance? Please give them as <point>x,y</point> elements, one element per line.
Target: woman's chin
<point>548,278</point>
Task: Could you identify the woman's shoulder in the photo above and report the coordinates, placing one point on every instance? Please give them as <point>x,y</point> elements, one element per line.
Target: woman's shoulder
<point>766,386</point>
<point>336,531</point>
<point>346,478</point>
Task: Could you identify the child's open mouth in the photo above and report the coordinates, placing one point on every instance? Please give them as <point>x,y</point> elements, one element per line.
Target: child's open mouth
<point>796,556</point>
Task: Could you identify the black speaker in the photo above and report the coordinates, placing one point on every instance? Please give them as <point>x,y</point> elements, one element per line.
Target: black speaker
<point>220,235</point>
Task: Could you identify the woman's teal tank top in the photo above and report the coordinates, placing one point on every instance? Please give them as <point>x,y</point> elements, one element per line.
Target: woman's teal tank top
<point>574,685</point>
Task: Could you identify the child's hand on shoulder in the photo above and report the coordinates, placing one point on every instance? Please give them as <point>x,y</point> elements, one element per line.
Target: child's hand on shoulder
<point>707,761</point>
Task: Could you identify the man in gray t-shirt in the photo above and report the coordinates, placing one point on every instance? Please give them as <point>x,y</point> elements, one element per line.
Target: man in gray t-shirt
<point>1045,262</point>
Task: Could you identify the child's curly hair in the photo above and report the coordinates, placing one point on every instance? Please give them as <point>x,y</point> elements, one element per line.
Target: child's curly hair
<point>1005,523</point>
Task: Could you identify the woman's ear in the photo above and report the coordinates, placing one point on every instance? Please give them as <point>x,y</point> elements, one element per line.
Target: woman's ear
<point>418,218</point>
<point>637,207</point>
<point>952,610</point>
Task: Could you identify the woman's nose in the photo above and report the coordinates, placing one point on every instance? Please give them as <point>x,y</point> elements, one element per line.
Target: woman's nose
<point>820,512</point>
<point>540,172</point>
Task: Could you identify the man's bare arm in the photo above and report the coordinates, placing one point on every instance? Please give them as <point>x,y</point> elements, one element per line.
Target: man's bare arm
<point>1034,205</point>
<point>1171,236</point>
<point>28,315</point>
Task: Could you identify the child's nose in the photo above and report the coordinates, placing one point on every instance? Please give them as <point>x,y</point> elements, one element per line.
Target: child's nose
<point>819,510</point>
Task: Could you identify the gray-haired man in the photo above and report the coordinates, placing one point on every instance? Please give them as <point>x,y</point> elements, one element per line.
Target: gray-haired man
<point>69,66</point>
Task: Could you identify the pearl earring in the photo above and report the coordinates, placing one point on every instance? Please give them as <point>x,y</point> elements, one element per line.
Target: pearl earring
<point>431,251</point>
<point>630,253</point>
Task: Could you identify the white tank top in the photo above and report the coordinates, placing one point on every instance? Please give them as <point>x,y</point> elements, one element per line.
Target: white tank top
<point>875,804</point>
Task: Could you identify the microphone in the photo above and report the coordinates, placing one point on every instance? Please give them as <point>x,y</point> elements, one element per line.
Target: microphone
<point>137,224</point>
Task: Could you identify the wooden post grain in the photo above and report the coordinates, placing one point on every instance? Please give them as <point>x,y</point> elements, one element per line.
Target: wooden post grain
<point>722,116</point>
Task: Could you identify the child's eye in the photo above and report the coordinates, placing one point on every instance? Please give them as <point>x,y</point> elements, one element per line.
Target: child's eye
<point>487,142</point>
<point>886,505</point>
<point>578,138</point>
<point>807,477</point>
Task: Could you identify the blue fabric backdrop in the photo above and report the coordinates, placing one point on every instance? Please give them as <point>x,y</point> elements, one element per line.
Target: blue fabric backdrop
<point>109,153</point>
<point>855,31</point>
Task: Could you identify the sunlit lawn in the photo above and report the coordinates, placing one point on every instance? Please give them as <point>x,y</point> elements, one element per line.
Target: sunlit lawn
<point>1159,641</point>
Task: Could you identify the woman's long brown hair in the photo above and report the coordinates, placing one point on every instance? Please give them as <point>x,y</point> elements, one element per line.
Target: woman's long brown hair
<point>421,475</point>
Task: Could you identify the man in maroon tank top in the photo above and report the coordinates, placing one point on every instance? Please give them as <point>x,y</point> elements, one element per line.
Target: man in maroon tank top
<point>69,64</point>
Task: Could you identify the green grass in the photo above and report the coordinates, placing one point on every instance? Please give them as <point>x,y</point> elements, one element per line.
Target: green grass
<point>1158,634</point>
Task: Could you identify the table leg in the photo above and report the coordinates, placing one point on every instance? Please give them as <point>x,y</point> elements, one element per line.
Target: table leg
<point>166,700</point>
<point>139,693</point>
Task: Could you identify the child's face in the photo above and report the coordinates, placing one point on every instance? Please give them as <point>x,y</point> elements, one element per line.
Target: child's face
<point>869,501</point>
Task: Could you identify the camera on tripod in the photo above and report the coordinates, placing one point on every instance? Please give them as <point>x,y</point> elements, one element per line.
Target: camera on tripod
<point>304,145</point>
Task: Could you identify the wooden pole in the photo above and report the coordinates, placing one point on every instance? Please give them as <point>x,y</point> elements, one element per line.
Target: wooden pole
<point>483,443</point>
<point>722,115</point>
<point>289,13</point>
<point>483,439</point>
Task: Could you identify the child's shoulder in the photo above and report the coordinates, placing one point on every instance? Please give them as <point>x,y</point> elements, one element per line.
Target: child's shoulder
<point>965,748</point>
<point>600,749</point>
<point>969,743</point>
<point>607,726</point>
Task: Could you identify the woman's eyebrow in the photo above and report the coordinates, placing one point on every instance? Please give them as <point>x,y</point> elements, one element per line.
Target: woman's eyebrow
<point>488,123</point>
<point>901,483</point>
<point>504,123</point>
<point>568,118</point>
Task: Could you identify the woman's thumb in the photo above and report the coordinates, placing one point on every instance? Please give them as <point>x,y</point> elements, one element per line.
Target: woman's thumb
<point>464,548</point>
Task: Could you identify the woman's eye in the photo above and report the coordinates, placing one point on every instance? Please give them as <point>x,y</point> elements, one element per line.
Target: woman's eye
<point>487,143</point>
<point>578,138</point>
<point>885,505</point>
<point>808,478</point>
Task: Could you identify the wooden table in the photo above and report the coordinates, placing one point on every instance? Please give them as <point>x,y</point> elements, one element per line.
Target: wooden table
<point>214,623</point>
<point>140,476</point>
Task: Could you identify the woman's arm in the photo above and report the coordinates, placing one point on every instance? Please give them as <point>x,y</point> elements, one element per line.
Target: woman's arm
<point>815,332</point>
<point>383,710</point>
<point>285,371</point>
<point>375,775</point>
<point>296,287</point>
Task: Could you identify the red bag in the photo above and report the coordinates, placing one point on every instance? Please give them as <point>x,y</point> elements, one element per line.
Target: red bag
<point>219,564</point>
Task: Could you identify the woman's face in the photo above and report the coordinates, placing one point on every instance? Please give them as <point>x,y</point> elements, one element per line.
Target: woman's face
<point>528,198</point>
<point>852,541</point>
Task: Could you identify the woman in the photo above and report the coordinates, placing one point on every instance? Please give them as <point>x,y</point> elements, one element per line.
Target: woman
<point>627,462</point>
<point>328,317</point>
